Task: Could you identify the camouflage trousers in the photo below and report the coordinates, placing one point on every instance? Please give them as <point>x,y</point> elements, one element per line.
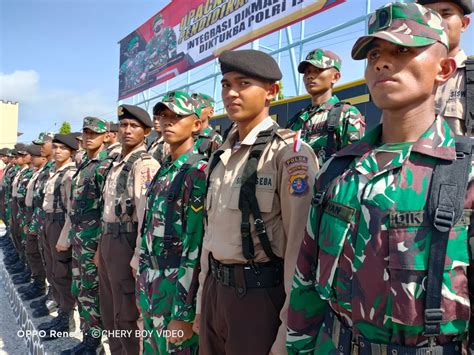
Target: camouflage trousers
<point>85,279</point>
<point>155,296</point>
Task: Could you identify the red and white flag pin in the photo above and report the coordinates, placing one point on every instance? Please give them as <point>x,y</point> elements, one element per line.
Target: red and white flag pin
<point>297,141</point>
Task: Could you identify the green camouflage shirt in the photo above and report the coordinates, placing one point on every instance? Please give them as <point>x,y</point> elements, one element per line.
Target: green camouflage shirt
<point>174,289</point>
<point>207,141</point>
<point>370,267</point>
<point>313,125</point>
<point>86,197</point>
<point>38,217</point>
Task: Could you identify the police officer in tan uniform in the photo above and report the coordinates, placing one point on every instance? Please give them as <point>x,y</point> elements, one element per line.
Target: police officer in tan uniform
<point>450,99</point>
<point>119,246</point>
<point>259,193</point>
<point>58,263</point>
<point>159,149</point>
<point>111,141</point>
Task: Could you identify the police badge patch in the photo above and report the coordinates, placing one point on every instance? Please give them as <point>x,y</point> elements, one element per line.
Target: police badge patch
<point>298,184</point>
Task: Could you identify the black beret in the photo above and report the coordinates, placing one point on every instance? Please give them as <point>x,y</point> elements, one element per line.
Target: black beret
<point>67,139</point>
<point>20,149</point>
<point>4,151</point>
<point>34,150</point>
<point>252,63</point>
<point>113,127</point>
<point>136,113</point>
<point>465,5</point>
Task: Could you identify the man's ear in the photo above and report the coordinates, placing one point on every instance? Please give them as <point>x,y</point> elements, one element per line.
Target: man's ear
<point>272,91</point>
<point>466,20</point>
<point>147,131</point>
<point>336,76</point>
<point>447,67</point>
<point>197,126</point>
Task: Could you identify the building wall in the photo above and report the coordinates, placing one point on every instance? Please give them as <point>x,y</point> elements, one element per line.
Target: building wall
<point>8,123</point>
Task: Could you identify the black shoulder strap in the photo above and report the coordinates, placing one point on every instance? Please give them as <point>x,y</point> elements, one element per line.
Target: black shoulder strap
<point>469,114</point>
<point>227,131</point>
<point>172,197</point>
<point>295,117</point>
<point>334,117</point>
<point>248,202</point>
<point>445,207</point>
<point>122,181</point>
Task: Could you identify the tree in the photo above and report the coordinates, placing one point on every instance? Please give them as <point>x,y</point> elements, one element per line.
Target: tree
<point>65,128</point>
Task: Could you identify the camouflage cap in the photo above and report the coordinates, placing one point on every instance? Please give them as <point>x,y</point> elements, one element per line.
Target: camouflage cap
<point>408,25</point>
<point>181,103</point>
<point>95,124</point>
<point>203,99</point>
<point>43,138</point>
<point>322,59</point>
<point>158,17</point>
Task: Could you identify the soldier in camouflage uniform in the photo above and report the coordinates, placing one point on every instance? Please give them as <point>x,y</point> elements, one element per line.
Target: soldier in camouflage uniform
<point>162,46</point>
<point>208,140</point>
<point>84,209</point>
<point>367,262</point>
<point>133,68</point>
<point>168,269</point>
<point>159,149</point>
<point>451,96</point>
<point>321,70</point>
<point>25,175</point>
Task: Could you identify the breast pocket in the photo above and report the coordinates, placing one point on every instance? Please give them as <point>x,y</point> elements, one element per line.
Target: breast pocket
<point>408,269</point>
<point>335,229</point>
<point>265,198</point>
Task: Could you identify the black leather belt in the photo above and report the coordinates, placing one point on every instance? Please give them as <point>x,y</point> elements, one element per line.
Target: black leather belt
<point>117,228</point>
<point>56,216</point>
<point>258,275</point>
<point>161,262</point>
<point>347,344</point>
<point>78,218</point>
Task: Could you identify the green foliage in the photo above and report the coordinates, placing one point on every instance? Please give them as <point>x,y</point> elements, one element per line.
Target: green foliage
<point>65,128</point>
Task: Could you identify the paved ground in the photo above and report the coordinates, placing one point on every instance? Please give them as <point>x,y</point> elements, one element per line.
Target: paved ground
<point>10,342</point>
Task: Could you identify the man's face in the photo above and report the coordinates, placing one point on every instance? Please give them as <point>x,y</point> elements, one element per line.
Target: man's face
<point>92,140</point>
<point>454,17</point>
<point>156,122</point>
<point>4,159</point>
<point>318,81</point>
<point>158,27</point>
<point>19,160</point>
<point>37,161</point>
<point>245,98</point>
<point>401,76</point>
<point>61,153</point>
<point>131,132</point>
<point>26,159</point>
<point>206,114</point>
<point>176,128</point>
<point>46,149</point>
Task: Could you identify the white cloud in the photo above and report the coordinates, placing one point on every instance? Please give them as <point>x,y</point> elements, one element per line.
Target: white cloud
<point>45,110</point>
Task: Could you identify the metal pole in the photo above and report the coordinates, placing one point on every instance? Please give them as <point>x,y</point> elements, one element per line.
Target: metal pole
<point>291,50</point>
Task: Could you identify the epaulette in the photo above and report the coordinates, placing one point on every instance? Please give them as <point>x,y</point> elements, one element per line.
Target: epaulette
<point>285,134</point>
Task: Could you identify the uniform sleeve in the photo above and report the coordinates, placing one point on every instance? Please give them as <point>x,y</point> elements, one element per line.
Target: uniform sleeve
<point>470,269</point>
<point>353,126</point>
<point>296,172</point>
<point>306,309</point>
<point>64,236</point>
<point>187,282</point>
<point>145,170</point>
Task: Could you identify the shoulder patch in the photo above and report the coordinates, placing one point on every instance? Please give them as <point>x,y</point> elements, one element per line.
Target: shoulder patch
<point>197,203</point>
<point>298,184</point>
<point>301,159</point>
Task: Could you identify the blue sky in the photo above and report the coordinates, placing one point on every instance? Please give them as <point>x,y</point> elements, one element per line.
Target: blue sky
<point>60,58</point>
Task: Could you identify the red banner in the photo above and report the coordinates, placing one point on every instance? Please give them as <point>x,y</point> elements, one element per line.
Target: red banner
<point>186,34</point>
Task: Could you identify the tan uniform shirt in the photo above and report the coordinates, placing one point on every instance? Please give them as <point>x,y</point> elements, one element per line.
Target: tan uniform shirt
<point>48,202</point>
<point>143,171</point>
<point>114,149</point>
<point>284,205</point>
<point>450,100</point>
<point>30,188</point>
<point>15,182</point>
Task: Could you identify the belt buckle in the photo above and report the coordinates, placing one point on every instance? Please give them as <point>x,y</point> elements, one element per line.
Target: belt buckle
<point>354,347</point>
